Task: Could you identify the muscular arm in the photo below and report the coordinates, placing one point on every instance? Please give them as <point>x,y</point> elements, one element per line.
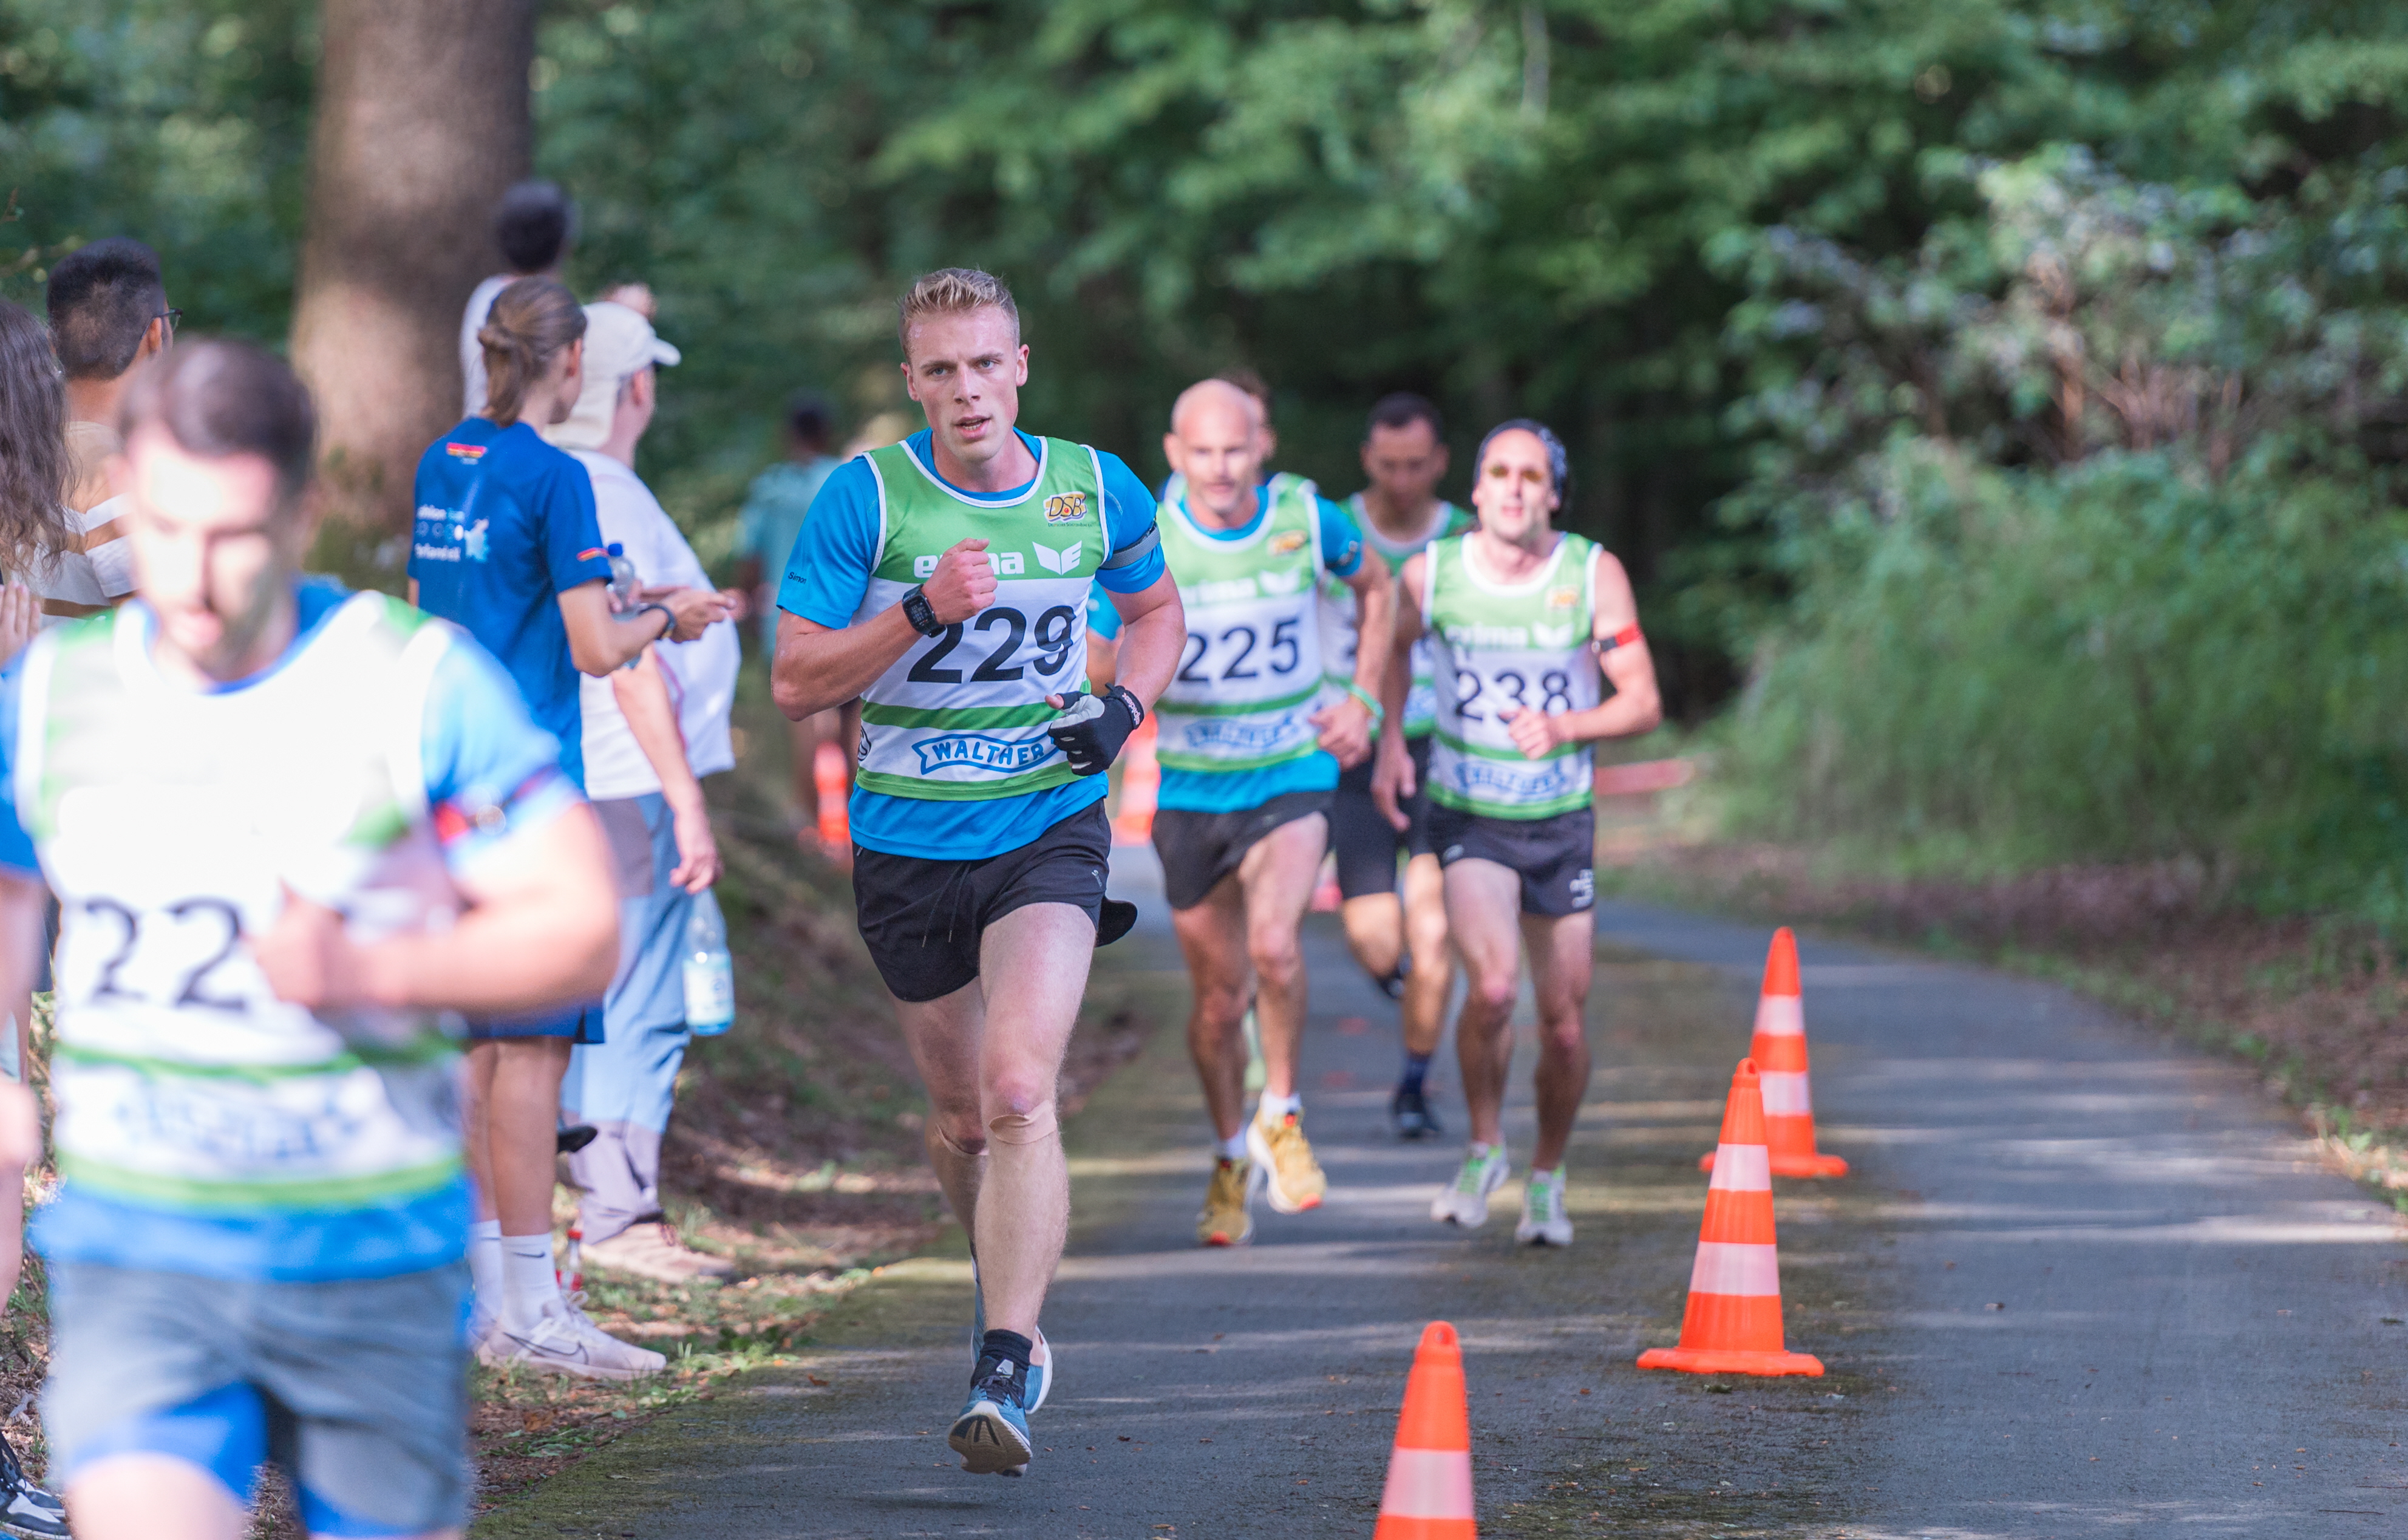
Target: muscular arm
<point>818,667</point>
<point>1634,708</point>
<point>642,693</point>
<point>542,930</point>
<point>1346,725</point>
<point>1392,776</point>
<point>1154,632</point>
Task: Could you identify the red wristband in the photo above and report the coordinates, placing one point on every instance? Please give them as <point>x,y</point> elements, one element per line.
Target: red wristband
<point>1623,637</point>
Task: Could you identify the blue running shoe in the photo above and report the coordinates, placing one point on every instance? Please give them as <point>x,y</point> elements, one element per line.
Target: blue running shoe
<point>992,1433</point>
<point>1041,1362</point>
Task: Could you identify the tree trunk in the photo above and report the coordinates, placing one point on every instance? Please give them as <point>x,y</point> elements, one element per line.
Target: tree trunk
<point>423,119</point>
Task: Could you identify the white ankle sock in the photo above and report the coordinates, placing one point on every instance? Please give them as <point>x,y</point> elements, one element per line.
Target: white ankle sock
<point>1232,1148</point>
<point>485,1264</point>
<point>1273,1108</point>
<point>529,1286</point>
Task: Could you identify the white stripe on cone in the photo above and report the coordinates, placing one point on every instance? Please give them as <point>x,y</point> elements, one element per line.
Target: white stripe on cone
<point>1785,1094</point>
<point>1724,1267</point>
<point>1742,1168</point>
<point>1780,1015</point>
<point>1429,1483</point>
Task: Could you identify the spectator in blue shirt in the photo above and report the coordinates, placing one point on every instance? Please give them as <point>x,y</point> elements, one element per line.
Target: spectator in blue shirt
<point>506,546</point>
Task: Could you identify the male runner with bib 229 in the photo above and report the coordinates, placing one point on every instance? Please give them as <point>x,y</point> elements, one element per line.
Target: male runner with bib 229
<point>292,831</point>
<point>1248,765</point>
<point>945,579</point>
<point>1401,945</point>
<point>1522,618</point>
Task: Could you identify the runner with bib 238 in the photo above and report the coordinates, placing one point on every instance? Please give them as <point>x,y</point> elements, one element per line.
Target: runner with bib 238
<point>944,580</point>
<point>1249,759</point>
<point>1524,618</point>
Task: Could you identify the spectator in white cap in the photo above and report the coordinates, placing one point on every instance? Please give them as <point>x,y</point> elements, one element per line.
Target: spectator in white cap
<point>651,730</point>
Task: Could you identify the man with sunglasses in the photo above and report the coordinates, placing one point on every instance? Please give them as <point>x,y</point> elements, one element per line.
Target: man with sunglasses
<point>1527,623</point>
<point>108,312</point>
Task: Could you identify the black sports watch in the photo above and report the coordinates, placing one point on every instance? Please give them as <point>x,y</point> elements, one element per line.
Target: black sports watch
<point>922,615</point>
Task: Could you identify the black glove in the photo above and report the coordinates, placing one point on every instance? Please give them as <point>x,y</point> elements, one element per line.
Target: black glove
<point>1092,727</point>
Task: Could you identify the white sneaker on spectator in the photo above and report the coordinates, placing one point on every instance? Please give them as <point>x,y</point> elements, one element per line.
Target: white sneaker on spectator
<point>565,1342</point>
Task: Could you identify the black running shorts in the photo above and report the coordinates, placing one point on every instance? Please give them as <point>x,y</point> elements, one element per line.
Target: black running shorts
<point>1365,843</point>
<point>1198,849</point>
<point>924,919</point>
<point>1555,857</point>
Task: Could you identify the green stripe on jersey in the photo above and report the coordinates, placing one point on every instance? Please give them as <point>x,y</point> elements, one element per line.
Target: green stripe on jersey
<point>330,1192</point>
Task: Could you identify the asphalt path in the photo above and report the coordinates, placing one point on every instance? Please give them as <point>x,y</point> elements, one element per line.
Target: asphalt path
<point>2079,1283</point>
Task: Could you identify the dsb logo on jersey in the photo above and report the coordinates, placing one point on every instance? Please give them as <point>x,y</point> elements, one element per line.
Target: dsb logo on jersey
<point>1066,508</point>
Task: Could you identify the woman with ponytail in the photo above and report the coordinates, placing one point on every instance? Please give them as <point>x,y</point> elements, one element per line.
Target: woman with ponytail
<point>506,546</point>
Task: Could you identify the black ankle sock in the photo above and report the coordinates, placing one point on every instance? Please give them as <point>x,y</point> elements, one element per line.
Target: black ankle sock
<point>1000,1343</point>
<point>1416,1065</point>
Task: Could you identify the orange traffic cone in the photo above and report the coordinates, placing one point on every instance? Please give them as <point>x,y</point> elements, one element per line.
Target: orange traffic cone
<point>1733,1322</point>
<point>1428,1495</point>
<point>1779,1050</point>
<point>1140,784</point>
<point>828,778</point>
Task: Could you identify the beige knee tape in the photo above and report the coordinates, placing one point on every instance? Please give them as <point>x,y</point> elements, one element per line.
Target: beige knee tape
<point>1024,1129</point>
<point>955,1146</point>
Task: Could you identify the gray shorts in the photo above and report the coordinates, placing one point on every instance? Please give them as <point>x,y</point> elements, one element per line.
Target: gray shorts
<point>358,1388</point>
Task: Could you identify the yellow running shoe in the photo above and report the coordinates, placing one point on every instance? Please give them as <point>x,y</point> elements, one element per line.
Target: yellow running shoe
<point>1229,1215</point>
<point>1294,1180</point>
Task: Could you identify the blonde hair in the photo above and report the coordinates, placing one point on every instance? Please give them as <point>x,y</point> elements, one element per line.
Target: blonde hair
<point>952,291</point>
<point>531,324</point>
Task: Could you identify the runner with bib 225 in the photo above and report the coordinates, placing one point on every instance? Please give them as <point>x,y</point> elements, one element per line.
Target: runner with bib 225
<point>1250,757</point>
<point>1525,618</point>
<point>944,580</point>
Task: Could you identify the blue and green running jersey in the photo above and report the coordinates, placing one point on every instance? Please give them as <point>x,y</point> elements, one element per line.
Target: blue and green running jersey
<point>954,762</point>
<point>205,1126</point>
<point>1500,648</point>
<point>1337,623</point>
<point>1234,724</point>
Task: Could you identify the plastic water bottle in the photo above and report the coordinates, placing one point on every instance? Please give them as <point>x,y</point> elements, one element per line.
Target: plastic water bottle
<point>710,971</point>
<point>625,584</point>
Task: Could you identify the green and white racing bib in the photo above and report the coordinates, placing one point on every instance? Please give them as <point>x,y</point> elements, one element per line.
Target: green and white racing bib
<point>1500,648</point>
<point>170,822</point>
<point>962,716</point>
<point>1250,674</point>
<point>1337,622</point>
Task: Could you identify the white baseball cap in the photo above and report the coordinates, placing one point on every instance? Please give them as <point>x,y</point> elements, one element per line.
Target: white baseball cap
<point>618,342</point>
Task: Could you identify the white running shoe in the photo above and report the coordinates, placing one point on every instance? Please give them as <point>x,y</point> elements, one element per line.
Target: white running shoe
<point>1464,1201</point>
<point>1542,1210</point>
<point>567,1343</point>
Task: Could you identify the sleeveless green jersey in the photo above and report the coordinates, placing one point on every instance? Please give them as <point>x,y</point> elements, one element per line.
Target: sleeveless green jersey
<point>170,822</point>
<point>1337,629</point>
<point>962,716</point>
<point>1499,648</point>
<point>1248,677</point>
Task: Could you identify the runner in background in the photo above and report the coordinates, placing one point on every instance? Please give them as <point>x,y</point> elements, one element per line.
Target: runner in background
<point>254,1252</point>
<point>1248,765</point>
<point>945,579</point>
<point>534,226</point>
<point>108,315</point>
<point>506,545</point>
<point>766,532</point>
<point>1523,619</point>
<point>1402,945</point>
<point>643,773</point>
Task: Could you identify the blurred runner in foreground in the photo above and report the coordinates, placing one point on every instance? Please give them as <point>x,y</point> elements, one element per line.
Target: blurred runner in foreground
<point>255,1251</point>
<point>1527,623</point>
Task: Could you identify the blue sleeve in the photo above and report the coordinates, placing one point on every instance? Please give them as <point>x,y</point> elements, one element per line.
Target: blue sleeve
<point>1341,543</point>
<point>830,568</point>
<point>491,772</point>
<point>16,845</point>
<point>1128,513</point>
<point>1102,619</point>
<point>572,532</point>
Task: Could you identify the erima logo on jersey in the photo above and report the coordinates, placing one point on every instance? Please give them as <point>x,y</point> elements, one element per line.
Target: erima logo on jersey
<point>1068,508</point>
<point>1225,590</point>
<point>1217,734</point>
<point>1488,636</point>
<point>1282,582</point>
<point>924,567</point>
<point>1063,561</point>
<point>1009,564</point>
<point>981,751</point>
<point>1552,635</point>
<point>1288,540</point>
